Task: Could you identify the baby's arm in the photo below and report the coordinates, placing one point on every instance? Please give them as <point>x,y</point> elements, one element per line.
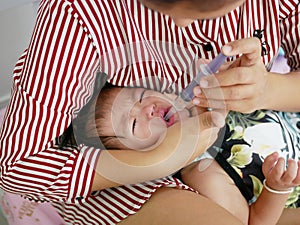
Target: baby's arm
<point>211,181</point>
<point>270,204</point>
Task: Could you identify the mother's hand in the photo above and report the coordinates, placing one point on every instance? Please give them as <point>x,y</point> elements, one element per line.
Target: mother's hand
<point>239,86</point>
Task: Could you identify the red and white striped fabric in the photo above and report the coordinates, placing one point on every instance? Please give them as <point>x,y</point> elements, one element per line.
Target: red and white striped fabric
<point>54,78</point>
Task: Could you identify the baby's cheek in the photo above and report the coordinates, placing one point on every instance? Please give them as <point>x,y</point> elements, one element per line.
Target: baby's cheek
<point>147,134</point>
<point>156,129</point>
<point>156,126</point>
<point>155,135</point>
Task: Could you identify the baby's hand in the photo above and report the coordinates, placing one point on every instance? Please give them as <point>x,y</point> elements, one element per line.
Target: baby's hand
<point>277,176</point>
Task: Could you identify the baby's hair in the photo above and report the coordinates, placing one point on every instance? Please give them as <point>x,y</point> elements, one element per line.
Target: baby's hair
<point>90,125</point>
<point>103,109</point>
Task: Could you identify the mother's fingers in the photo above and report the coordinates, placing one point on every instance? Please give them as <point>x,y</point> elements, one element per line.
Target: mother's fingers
<point>249,48</point>
<point>234,76</point>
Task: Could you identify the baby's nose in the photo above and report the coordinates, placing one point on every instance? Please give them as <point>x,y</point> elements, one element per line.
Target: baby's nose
<point>151,111</point>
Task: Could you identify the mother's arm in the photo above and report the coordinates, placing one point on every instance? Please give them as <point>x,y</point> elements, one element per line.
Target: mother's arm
<point>183,143</point>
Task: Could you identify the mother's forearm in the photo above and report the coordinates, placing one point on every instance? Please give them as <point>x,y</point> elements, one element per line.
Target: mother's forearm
<point>183,143</point>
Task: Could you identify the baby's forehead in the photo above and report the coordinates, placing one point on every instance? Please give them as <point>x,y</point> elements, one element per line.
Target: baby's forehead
<point>124,99</point>
<point>129,93</point>
<point>117,95</point>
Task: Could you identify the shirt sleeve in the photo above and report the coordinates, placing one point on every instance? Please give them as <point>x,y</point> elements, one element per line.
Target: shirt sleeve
<point>290,31</point>
<point>53,80</point>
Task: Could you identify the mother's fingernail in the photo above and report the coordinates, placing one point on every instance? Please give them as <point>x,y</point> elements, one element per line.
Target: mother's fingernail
<point>201,61</point>
<point>197,91</point>
<point>227,49</point>
<point>203,83</point>
<point>196,101</point>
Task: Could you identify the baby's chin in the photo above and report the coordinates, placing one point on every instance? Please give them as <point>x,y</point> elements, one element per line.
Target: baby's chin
<point>180,116</point>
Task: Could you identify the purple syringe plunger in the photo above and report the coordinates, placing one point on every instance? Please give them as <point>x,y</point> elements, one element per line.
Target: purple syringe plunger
<point>216,63</point>
<point>205,70</point>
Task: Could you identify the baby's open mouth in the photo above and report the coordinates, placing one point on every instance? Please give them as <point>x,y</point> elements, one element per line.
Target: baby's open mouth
<point>171,120</point>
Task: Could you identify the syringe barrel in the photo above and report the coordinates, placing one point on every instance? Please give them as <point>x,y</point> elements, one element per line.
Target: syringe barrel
<point>187,94</point>
<point>205,70</point>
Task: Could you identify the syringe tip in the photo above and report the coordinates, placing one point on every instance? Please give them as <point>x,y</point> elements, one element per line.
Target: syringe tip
<point>170,113</point>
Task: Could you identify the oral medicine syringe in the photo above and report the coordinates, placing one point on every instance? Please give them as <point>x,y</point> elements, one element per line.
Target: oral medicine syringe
<point>187,94</point>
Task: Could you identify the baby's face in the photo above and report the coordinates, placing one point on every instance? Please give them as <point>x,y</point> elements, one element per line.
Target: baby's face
<point>138,117</point>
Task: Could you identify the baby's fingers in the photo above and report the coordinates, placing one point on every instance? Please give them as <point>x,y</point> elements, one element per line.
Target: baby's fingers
<point>296,181</point>
<point>278,170</point>
<point>291,172</point>
<point>269,163</point>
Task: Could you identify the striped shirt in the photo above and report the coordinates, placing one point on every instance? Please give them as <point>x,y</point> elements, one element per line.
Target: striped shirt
<point>135,46</point>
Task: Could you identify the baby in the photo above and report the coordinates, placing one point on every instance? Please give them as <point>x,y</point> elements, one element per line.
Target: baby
<point>133,118</point>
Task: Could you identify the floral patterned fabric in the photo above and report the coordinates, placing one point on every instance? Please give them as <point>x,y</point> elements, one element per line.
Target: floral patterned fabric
<point>249,138</point>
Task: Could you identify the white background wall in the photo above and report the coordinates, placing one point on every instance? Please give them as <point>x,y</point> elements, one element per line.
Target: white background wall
<point>6,4</point>
<point>16,24</point>
<point>17,19</point>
